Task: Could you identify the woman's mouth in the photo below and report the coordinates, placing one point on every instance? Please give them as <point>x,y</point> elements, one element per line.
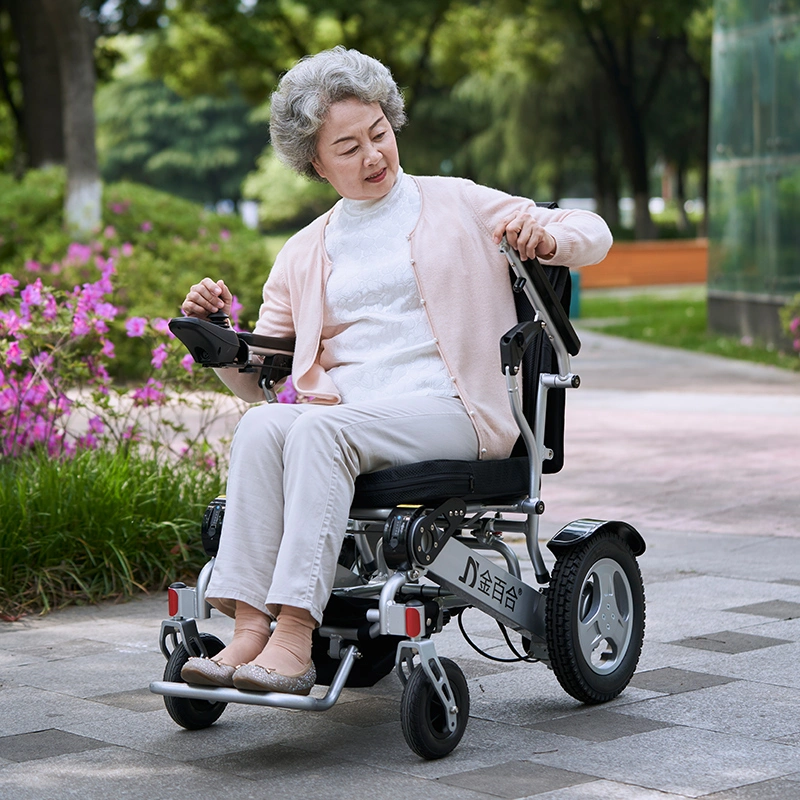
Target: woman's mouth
<point>377,177</point>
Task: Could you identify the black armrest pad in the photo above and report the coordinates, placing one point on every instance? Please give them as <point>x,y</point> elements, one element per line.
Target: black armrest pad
<point>210,344</point>
<point>284,346</point>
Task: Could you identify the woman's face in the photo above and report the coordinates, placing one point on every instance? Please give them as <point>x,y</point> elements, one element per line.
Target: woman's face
<point>357,150</point>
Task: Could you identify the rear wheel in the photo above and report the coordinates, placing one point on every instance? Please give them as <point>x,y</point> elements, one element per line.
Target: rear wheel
<point>191,714</point>
<point>595,618</point>
<point>423,716</point>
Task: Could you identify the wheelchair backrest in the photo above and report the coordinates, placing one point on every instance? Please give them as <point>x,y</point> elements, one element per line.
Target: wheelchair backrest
<point>541,358</point>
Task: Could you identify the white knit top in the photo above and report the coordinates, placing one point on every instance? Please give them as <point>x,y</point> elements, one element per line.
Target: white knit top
<point>376,338</point>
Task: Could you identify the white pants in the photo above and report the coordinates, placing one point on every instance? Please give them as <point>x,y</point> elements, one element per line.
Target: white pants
<point>291,483</point>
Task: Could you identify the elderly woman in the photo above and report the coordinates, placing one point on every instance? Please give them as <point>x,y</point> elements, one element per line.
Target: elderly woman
<point>398,298</point>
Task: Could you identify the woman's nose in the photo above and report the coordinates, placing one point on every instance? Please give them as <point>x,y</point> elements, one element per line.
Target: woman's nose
<point>371,154</point>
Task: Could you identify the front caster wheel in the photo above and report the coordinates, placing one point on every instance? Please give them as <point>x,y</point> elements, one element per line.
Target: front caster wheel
<point>595,618</point>
<point>191,714</point>
<point>423,716</point>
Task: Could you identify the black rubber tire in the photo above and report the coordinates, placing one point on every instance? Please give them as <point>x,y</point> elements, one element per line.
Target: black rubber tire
<point>191,714</point>
<point>423,717</point>
<point>573,601</point>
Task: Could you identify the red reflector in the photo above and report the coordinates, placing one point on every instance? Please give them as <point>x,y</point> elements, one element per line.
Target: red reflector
<point>172,597</point>
<point>413,622</point>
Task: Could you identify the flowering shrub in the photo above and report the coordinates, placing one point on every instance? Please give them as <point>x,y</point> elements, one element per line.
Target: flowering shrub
<point>55,388</point>
<point>790,317</point>
<point>160,245</point>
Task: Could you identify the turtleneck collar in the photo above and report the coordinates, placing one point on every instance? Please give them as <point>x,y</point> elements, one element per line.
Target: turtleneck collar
<point>357,208</point>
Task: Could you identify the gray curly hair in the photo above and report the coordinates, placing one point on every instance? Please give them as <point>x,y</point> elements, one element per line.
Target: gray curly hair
<point>306,92</point>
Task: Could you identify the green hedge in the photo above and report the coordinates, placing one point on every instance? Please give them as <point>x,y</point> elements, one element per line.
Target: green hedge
<point>172,243</point>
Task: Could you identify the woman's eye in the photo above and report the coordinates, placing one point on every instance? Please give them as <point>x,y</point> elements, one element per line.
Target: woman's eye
<point>379,136</point>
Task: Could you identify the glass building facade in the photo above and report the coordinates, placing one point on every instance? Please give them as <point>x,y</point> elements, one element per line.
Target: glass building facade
<point>754,191</point>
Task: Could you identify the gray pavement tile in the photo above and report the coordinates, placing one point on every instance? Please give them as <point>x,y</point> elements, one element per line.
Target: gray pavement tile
<point>24,710</point>
<point>761,711</point>
<point>777,789</point>
<point>679,760</point>
<point>599,725</point>
<point>779,609</point>
<point>88,676</point>
<point>44,744</point>
<point>384,747</point>
<point>515,779</point>
<point>365,713</point>
<point>134,700</point>
<point>776,666</point>
<point>57,651</point>
<point>289,772</point>
<point>116,772</point>
<point>239,728</point>
<point>670,680</point>
<point>607,790</point>
<point>729,642</point>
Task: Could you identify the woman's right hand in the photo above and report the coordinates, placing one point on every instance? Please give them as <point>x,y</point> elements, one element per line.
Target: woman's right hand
<point>207,297</point>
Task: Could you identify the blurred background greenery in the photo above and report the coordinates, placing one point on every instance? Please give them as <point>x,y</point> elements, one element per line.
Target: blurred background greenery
<point>546,98</point>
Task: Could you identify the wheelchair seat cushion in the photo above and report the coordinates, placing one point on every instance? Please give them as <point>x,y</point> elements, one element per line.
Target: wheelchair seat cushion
<point>427,482</point>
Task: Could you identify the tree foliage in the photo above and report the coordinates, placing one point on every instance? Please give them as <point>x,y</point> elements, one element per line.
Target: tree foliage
<point>200,147</point>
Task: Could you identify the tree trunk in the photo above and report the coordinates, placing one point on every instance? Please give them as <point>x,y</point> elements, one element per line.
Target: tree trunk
<point>42,124</point>
<point>74,40</point>
<point>634,157</point>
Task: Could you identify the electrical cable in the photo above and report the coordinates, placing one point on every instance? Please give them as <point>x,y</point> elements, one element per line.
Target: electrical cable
<point>519,656</point>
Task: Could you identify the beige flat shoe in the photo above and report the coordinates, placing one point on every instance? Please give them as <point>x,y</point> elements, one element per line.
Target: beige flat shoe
<point>257,679</point>
<point>207,672</point>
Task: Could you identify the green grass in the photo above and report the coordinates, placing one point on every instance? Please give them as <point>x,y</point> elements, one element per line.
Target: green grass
<point>99,526</point>
<point>675,318</point>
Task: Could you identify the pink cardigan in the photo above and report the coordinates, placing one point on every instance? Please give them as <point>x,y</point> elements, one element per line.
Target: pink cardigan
<point>464,285</point>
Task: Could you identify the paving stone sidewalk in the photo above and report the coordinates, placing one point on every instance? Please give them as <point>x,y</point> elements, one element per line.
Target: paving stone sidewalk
<point>699,453</point>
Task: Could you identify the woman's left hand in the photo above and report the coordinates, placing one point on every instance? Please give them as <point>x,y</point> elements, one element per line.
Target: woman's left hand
<point>527,236</point>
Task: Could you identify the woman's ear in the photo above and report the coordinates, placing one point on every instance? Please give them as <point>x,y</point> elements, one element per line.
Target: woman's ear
<point>318,167</point>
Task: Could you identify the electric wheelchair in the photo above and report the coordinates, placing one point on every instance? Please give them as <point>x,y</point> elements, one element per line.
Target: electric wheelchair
<point>423,544</point>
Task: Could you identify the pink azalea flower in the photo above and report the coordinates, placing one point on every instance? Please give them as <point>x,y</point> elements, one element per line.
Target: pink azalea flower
<point>146,226</point>
<point>288,394</point>
<point>13,354</point>
<point>32,294</point>
<point>96,425</point>
<point>187,362</point>
<point>135,327</point>
<point>160,355</point>
<point>109,232</point>
<point>149,394</point>
<point>108,349</point>
<point>79,252</point>
<point>127,249</point>
<point>33,266</point>
<point>7,284</point>
<point>50,308</point>
<point>236,309</point>
<point>224,234</point>
<point>794,325</point>
<point>106,311</point>
<point>80,324</point>
<point>161,326</point>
